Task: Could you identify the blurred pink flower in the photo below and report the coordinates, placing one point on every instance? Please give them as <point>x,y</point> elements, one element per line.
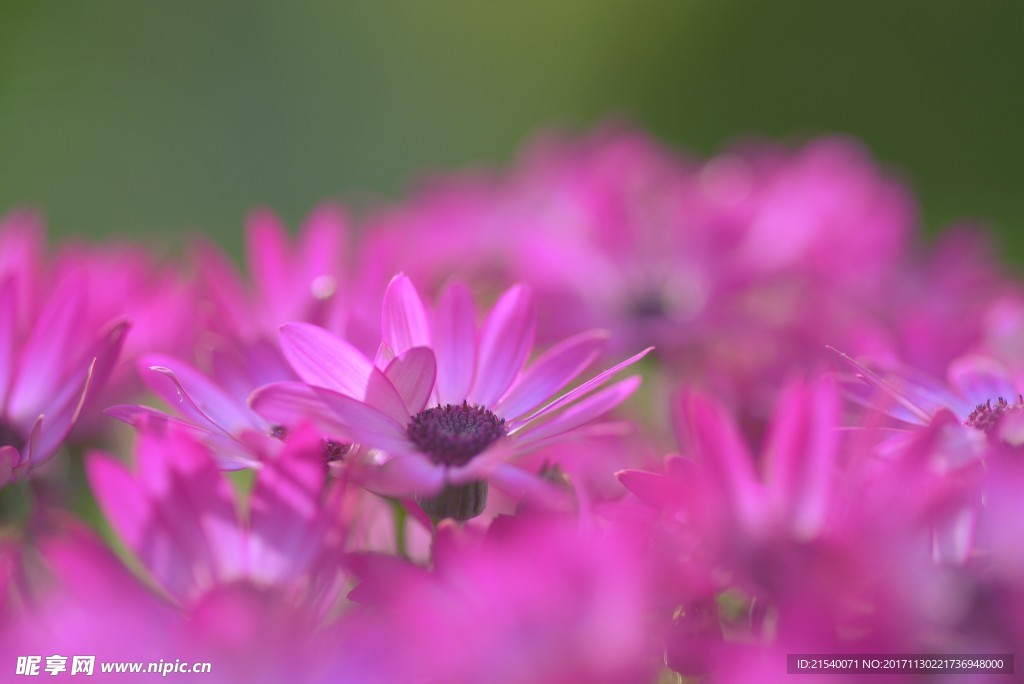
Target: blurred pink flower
<point>288,280</point>
<point>487,407</point>
<point>48,368</point>
<point>537,600</point>
<point>696,258</point>
<point>830,545</point>
<point>181,518</point>
<point>127,281</point>
<point>237,436</point>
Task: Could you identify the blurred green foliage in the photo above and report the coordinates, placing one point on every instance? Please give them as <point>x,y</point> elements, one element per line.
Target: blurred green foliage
<point>120,116</point>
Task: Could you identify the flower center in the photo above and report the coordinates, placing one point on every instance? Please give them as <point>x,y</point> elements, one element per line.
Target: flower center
<point>986,416</point>
<point>453,434</point>
<point>10,436</point>
<point>333,449</point>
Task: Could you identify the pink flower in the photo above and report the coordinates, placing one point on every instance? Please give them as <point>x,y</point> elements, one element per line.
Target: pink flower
<point>237,436</point>
<point>536,601</point>
<point>807,531</point>
<point>980,392</point>
<point>696,257</point>
<point>180,517</point>
<point>484,406</point>
<point>48,368</point>
<point>287,282</point>
<point>124,280</point>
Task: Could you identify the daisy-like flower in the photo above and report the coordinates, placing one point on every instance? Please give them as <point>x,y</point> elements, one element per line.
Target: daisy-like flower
<point>446,404</point>
<point>46,374</point>
<point>237,436</point>
<point>980,392</point>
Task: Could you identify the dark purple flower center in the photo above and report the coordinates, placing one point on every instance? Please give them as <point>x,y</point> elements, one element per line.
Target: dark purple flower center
<point>454,433</point>
<point>333,449</point>
<point>10,436</point>
<point>986,417</point>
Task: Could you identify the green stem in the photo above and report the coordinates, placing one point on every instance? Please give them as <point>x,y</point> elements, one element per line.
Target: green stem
<point>400,514</point>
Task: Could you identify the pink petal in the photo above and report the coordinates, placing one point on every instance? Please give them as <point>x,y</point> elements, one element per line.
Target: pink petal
<point>285,511</point>
<point>403,319</point>
<point>322,240</point>
<point>8,332</point>
<point>184,387</point>
<point>267,252</point>
<point>981,379</point>
<point>62,414</point>
<point>551,372</point>
<point>718,445</point>
<point>365,424</point>
<point>870,377</point>
<point>517,483</point>
<point>583,412</point>
<point>455,344</point>
<point>293,403</point>
<point>223,285</point>
<point>505,342</point>
<point>46,353</point>
<point>412,375</point>
<point>580,391</point>
<point>137,523</point>
<point>137,416</point>
<point>655,489</point>
<point>405,475</point>
<point>801,451</point>
<point>323,360</point>
<point>107,351</point>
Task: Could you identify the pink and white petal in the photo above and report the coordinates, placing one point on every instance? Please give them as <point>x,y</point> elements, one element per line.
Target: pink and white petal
<point>8,333</point>
<point>517,483</point>
<point>583,412</point>
<point>46,358</point>
<point>322,243</point>
<point>285,511</point>
<point>801,451</point>
<point>229,453</point>
<point>184,387</point>
<point>365,424</point>
<point>481,465</point>
<point>293,403</point>
<point>404,476</point>
<point>137,416</point>
<point>404,323</point>
<point>324,360</point>
<point>222,284</point>
<point>578,392</point>
<point>137,522</point>
<point>62,415</point>
<point>505,342</point>
<point>552,371</point>
<point>107,352</point>
<point>980,379</point>
<point>655,489</point>
<point>198,505</point>
<point>716,443</point>
<point>613,428</point>
<point>382,395</point>
<point>413,374</point>
<point>267,251</point>
<point>919,414</point>
<point>455,344</point>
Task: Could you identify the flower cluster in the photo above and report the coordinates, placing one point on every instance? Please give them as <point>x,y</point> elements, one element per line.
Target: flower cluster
<point>615,415</point>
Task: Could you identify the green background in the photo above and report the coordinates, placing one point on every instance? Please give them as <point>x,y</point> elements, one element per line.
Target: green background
<point>144,117</point>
